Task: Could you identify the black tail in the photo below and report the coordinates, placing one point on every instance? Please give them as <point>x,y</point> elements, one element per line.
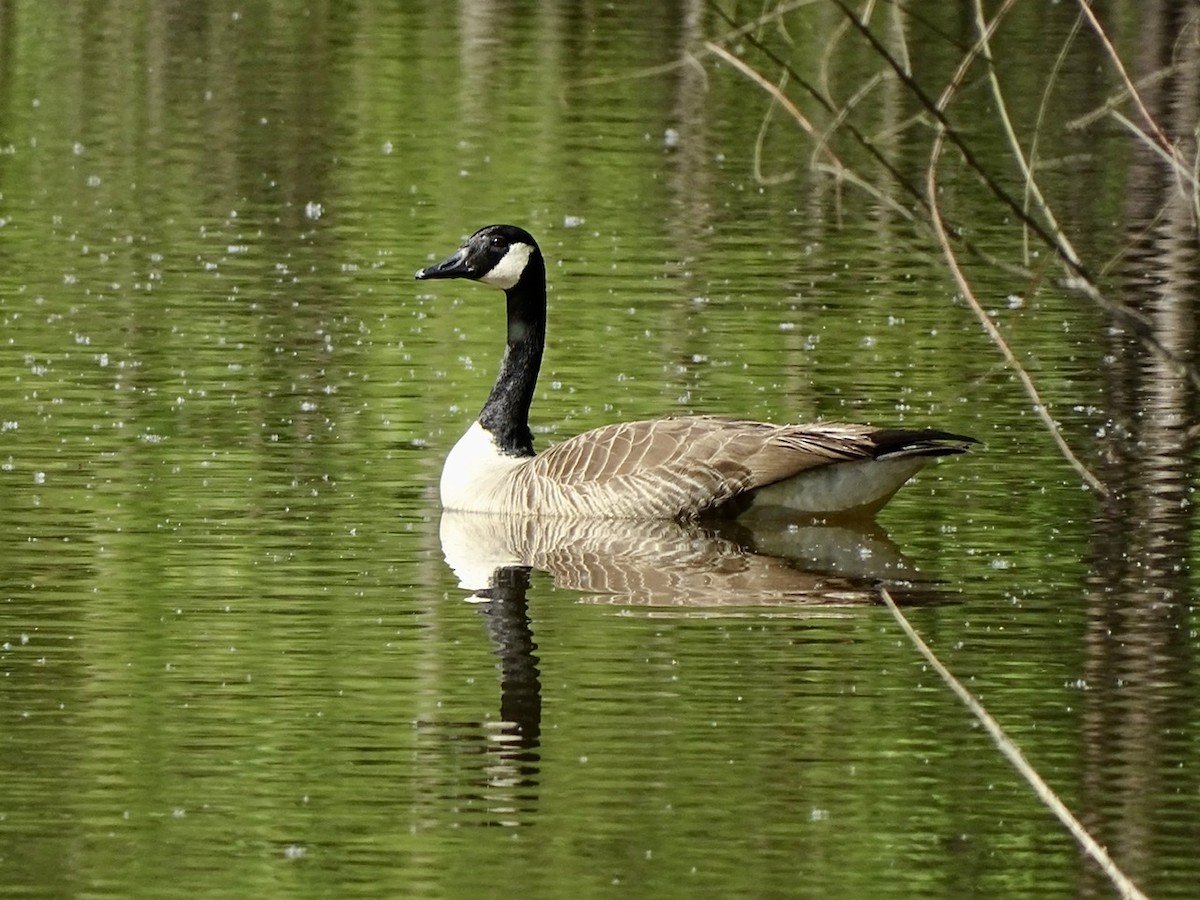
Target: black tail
<point>891,442</point>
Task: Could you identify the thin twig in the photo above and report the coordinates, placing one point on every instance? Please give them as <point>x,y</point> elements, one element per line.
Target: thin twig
<point>960,278</point>
<point>754,75</point>
<point>1031,187</point>
<point>996,338</point>
<point>866,187</point>
<point>1136,321</point>
<point>1170,157</point>
<point>761,139</point>
<point>1086,9</point>
<point>828,58</point>
<point>1157,139</point>
<point>1013,754</point>
<point>1092,117</point>
<point>836,166</point>
<point>1078,277</point>
<point>844,111</point>
<point>823,101</point>
<point>1043,107</point>
<point>936,109</point>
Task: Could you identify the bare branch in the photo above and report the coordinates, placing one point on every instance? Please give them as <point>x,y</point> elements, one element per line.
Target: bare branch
<point>1127,889</point>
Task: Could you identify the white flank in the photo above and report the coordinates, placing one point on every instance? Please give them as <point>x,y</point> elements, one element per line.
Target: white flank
<point>507,272</point>
<point>475,472</point>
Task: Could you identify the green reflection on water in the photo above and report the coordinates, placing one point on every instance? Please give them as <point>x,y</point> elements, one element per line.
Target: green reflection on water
<point>234,661</point>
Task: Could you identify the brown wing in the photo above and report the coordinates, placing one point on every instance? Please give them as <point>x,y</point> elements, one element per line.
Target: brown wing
<point>682,466</point>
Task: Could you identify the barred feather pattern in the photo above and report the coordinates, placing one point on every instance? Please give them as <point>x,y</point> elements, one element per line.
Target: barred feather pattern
<point>686,467</point>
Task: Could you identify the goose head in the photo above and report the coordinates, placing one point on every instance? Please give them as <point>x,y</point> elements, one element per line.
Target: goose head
<point>497,255</point>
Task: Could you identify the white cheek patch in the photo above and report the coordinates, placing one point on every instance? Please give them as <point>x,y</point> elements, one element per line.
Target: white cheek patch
<point>507,272</point>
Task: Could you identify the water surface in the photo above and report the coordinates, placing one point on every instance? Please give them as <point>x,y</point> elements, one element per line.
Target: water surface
<point>241,652</point>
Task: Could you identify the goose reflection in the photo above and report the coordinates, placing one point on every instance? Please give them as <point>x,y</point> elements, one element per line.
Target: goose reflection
<point>701,568</point>
<point>512,773</point>
<point>673,564</point>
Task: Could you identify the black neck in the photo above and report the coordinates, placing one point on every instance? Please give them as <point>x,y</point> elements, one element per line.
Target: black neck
<point>506,412</point>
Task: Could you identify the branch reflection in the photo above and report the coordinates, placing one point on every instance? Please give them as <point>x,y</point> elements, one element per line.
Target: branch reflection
<point>1138,656</point>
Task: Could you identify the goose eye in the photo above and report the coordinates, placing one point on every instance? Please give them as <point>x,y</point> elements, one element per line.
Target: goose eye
<point>497,241</point>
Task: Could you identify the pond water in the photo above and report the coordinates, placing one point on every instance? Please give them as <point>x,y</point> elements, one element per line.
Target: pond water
<point>242,652</point>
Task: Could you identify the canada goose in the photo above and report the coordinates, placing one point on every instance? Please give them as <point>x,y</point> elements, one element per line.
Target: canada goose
<point>681,467</point>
